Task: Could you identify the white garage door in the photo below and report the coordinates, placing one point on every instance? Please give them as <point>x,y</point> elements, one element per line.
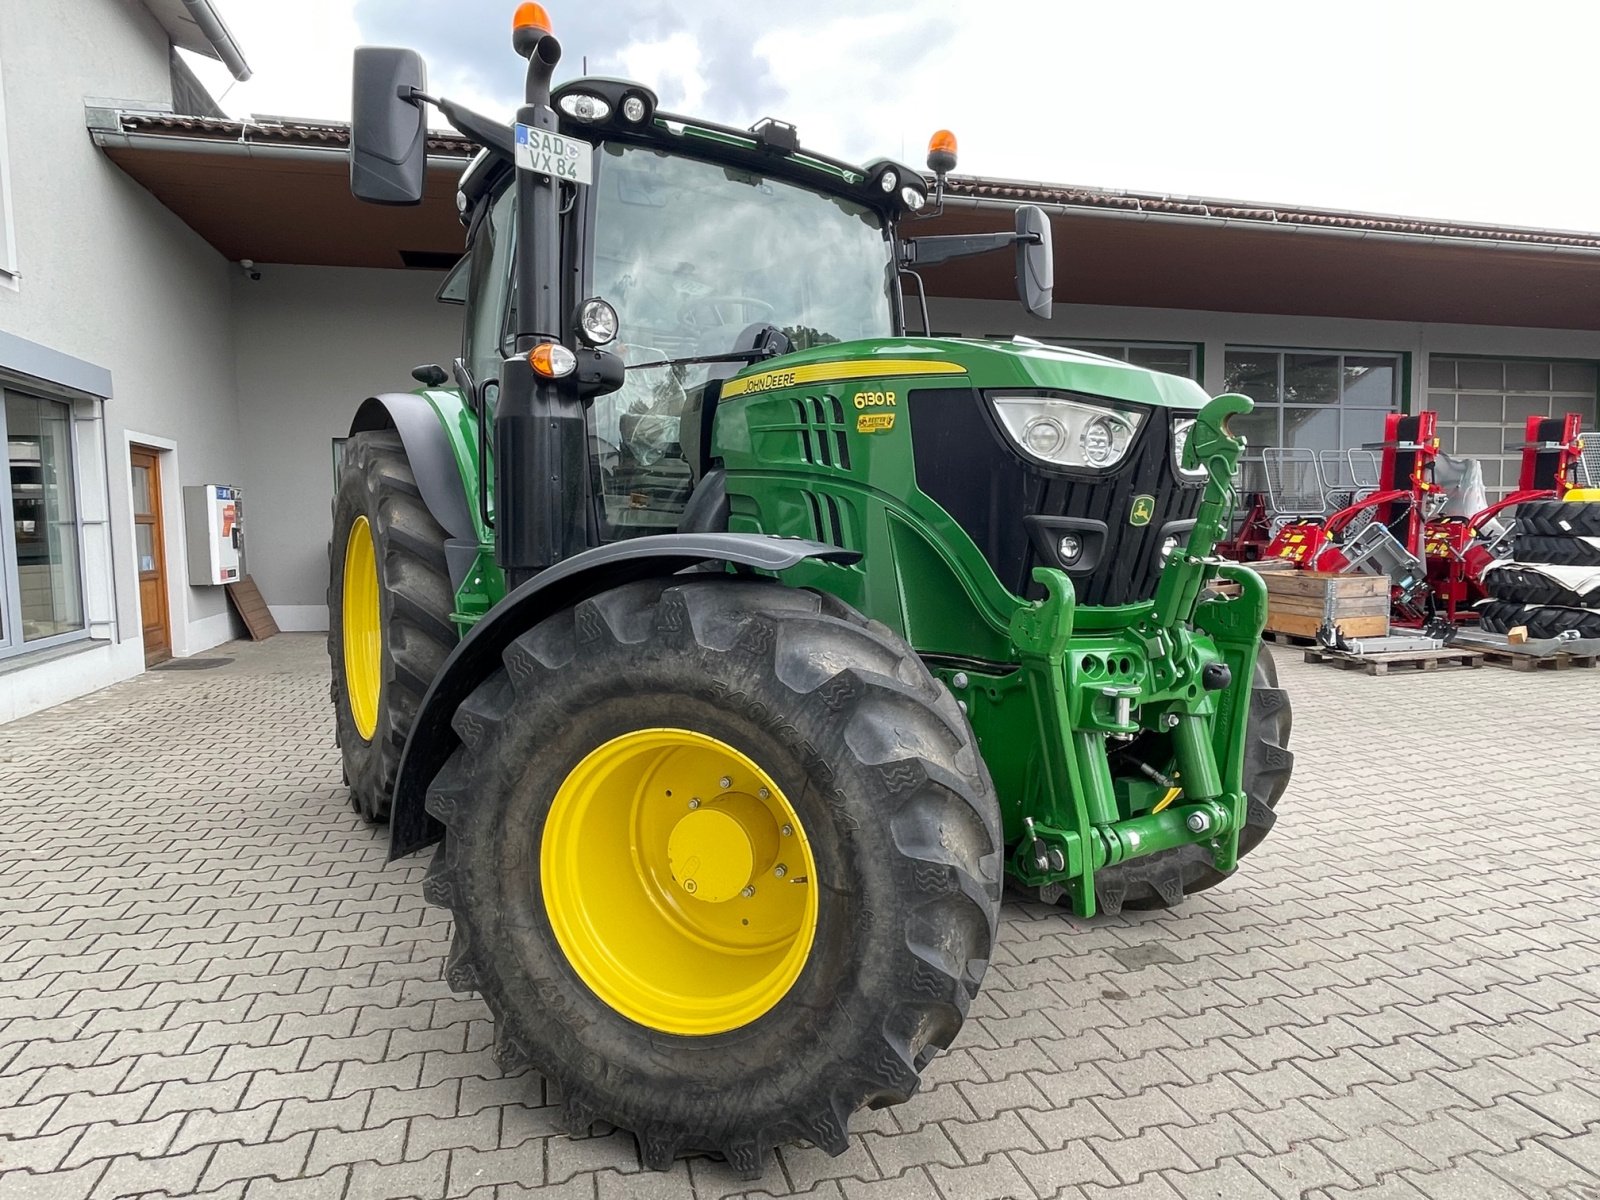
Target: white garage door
<point>1484,402</point>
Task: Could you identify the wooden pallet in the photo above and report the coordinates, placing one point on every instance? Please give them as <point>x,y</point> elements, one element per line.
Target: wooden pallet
<point>1278,638</point>
<point>1379,664</point>
<point>252,608</point>
<point>1515,661</point>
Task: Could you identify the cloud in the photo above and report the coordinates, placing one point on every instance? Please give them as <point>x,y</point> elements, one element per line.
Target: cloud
<point>1441,108</point>
<point>715,56</point>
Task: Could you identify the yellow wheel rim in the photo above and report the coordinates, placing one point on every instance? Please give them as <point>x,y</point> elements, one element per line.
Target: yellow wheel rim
<point>362,629</point>
<point>679,881</point>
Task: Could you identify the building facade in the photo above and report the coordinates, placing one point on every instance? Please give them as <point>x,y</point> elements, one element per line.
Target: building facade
<point>140,355</point>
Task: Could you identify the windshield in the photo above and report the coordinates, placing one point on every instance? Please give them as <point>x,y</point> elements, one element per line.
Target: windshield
<point>691,254</point>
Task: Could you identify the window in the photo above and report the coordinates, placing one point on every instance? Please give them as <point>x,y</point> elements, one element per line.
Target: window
<point>1316,400</point>
<point>489,275</point>
<point>1172,358</point>
<point>41,584</point>
<point>1484,403</point>
<point>816,266</point>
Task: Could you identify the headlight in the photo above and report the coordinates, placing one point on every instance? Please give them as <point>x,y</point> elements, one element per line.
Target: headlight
<point>1068,433</point>
<point>597,322</point>
<point>1181,429</point>
<point>584,107</point>
<point>912,198</point>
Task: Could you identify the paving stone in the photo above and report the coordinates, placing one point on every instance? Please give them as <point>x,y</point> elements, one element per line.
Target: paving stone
<point>471,1169</point>
<point>240,1001</point>
<point>418,1179</point>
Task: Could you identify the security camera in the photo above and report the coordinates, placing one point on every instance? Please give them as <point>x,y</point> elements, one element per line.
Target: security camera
<point>248,266</point>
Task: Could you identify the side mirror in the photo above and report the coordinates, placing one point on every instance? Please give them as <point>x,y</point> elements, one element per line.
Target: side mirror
<point>388,133</point>
<point>1036,268</point>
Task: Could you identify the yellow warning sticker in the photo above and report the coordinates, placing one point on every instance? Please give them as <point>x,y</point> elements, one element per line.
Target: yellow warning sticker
<point>874,422</point>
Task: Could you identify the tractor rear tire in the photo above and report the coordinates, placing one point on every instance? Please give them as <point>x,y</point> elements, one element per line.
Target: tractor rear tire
<point>1520,585</point>
<point>389,602</point>
<point>1560,518</point>
<point>1558,551</point>
<point>1542,621</point>
<point>614,966</point>
<point>1162,880</point>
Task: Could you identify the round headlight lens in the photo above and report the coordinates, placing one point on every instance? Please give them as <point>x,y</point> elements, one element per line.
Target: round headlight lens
<point>1168,545</point>
<point>1104,439</point>
<point>597,322</point>
<point>912,198</point>
<point>633,109</point>
<point>1069,547</point>
<point>1044,436</point>
<point>888,181</point>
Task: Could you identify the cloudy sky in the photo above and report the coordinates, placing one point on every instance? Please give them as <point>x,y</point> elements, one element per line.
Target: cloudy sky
<point>1466,109</point>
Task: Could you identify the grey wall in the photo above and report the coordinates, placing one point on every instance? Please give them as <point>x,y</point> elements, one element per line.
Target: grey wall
<point>312,343</point>
<point>107,274</point>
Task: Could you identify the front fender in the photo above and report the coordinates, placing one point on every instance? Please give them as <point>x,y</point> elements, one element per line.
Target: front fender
<point>436,460</point>
<point>433,739</point>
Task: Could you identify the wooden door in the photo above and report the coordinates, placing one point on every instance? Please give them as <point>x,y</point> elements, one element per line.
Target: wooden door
<point>149,550</point>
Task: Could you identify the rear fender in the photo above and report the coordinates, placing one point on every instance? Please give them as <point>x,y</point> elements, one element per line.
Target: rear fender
<point>433,739</point>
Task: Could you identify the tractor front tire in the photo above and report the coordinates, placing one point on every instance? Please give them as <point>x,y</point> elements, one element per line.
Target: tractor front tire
<point>1542,621</point>
<point>1162,880</point>
<point>724,862</point>
<point>1558,551</point>
<point>1521,585</point>
<point>389,602</point>
<point>1560,518</point>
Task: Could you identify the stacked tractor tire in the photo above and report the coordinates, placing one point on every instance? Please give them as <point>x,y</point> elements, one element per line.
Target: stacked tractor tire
<point>1551,584</point>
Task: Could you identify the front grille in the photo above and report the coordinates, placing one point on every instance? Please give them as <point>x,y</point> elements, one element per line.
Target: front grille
<point>1016,511</point>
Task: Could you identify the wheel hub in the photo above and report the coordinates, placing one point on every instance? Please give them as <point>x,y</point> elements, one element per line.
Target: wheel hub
<point>678,881</point>
<point>717,851</point>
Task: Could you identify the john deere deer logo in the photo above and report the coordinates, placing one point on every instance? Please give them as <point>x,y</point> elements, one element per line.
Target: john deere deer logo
<point>1144,507</point>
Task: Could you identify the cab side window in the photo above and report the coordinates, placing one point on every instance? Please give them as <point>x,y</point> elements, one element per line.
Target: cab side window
<point>488,283</point>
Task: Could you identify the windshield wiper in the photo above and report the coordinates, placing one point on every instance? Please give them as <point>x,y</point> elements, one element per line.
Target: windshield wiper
<point>746,356</point>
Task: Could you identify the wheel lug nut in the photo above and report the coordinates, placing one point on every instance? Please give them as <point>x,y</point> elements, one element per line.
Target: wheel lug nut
<point>787,831</point>
<point>780,870</point>
<point>748,892</point>
<point>725,783</point>
<point>764,794</point>
<point>695,803</point>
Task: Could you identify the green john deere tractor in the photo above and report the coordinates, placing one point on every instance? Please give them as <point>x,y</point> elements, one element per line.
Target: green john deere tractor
<point>731,647</point>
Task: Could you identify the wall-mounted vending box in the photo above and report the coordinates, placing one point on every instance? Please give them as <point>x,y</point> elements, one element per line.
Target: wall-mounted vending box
<point>215,533</point>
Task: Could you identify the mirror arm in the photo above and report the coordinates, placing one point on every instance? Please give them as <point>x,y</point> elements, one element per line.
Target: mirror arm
<point>492,135</point>
<point>926,251</point>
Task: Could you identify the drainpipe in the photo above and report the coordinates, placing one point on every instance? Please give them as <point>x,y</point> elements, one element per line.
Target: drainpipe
<point>215,32</point>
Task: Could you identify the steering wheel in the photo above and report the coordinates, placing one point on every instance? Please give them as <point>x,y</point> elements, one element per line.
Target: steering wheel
<point>753,309</point>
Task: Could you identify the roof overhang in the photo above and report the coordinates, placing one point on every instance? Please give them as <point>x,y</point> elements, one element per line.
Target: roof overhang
<point>196,26</point>
<point>279,193</point>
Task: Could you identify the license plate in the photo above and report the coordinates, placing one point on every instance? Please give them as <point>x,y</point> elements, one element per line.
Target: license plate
<point>551,154</point>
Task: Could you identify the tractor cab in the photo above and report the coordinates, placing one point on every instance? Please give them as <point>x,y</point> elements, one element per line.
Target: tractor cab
<point>803,251</point>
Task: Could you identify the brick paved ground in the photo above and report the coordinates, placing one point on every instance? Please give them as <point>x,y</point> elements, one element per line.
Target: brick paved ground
<point>211,984</point>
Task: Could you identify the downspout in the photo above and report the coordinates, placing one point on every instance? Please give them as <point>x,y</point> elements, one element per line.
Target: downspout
<point>215,32</point>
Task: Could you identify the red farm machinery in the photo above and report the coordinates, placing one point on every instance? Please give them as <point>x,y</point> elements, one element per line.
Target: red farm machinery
<point>1403,509</point>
